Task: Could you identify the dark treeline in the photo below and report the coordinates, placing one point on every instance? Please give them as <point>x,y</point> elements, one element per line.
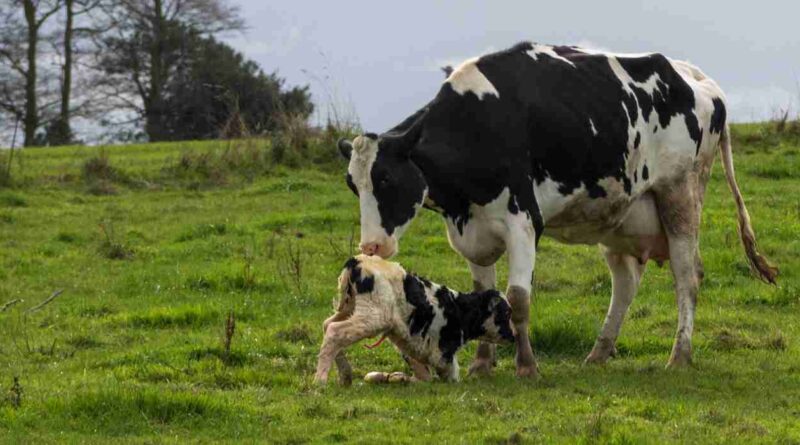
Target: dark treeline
<point>153,66</point>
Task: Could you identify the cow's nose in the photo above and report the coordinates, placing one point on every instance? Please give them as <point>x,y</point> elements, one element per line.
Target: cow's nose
<point>369,248</point>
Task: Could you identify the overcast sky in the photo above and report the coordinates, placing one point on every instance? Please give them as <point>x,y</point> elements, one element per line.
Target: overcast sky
<point>382,59</point>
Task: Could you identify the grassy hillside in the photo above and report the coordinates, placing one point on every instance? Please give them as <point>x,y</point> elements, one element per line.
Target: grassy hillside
<point>154,245</point>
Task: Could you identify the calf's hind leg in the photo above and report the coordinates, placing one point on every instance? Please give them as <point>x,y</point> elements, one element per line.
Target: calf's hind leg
<point>677,207</point>
<point>338,336</point>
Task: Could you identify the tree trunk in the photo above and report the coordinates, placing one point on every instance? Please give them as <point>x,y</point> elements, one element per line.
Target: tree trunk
<point>31,119</point>
<point>154,105</point>
<point>63,131</point>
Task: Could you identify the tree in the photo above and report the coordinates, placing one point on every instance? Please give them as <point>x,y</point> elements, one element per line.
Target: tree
<point>214,84</point>
<point>59,132</point>
<point>140,58</point>
<point>19,53</point>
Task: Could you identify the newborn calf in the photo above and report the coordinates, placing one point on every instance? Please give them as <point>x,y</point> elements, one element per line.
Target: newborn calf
<point>425,321</point>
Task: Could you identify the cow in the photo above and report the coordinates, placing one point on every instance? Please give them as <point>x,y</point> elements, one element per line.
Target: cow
<point>580,145</point>
<point>426,321</point>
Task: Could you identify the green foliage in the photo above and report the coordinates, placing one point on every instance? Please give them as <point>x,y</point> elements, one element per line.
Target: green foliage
<point>134,351</point>
<point>217,92</point>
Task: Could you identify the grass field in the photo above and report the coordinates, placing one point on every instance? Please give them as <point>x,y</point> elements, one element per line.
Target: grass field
<point>153,253</point>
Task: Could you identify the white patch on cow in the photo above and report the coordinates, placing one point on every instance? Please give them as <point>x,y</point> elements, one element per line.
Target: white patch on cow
<point>602,52</point>
<point>591,125</point>
<point>481,240</point>
<point>469,78</point>
<point>547,50</point>
<point>520,240</point>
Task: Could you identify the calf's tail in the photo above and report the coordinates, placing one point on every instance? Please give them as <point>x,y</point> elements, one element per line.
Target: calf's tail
<point>347,292</point>
<point>758,263</point>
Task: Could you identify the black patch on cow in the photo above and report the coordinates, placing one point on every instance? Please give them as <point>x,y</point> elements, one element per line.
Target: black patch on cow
<point>422,315</point>
<point>626,184</point>
<point>635,175</point>
<point>595,191</point>
<point>451,336</point>
<point>645,173</point>
<point>363,284</point>
<point>672,95</point>
<point>372,136</point>
<point>655,129</point>
<point>398,186</point>
<point>350,184</point>
<point>718,116</point>
<point>637,140</point>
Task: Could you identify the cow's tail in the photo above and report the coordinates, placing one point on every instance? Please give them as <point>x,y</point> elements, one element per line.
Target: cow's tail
<point>758,263</point>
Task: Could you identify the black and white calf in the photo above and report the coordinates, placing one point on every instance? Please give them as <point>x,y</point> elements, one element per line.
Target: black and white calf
<point>579,145</point>
<point>427,322</point>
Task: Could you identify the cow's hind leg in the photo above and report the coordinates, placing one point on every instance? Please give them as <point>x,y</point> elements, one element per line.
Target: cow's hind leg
<point>483,278</point>
<point>626,272</point>
<point>678,208</point>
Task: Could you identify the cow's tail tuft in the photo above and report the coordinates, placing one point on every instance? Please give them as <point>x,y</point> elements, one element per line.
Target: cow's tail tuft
<point>758,263</point>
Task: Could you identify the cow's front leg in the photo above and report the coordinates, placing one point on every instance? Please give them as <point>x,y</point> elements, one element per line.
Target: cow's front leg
<point>483,278</point>
<point>521,244</point>
<point>625,275</point>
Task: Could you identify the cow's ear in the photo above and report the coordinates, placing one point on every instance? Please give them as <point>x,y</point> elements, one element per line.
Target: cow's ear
<point>345,148</point>
<point>448,70</point>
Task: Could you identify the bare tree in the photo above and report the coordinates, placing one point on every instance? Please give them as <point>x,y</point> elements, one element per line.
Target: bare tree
<point>19,53</point>
<point>140,55</point>
<point>79,24</point>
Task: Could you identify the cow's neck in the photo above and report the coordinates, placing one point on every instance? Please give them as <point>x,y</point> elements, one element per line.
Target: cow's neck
<point>445,197</point>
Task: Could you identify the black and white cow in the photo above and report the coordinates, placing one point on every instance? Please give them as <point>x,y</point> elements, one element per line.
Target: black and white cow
<point>582,146</point>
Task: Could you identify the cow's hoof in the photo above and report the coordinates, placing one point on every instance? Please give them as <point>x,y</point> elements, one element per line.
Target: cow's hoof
<point>596,358</point>
<point>480,368</point>
<point>600,354</point>
<point>528,371</point>
<point>679,361</point>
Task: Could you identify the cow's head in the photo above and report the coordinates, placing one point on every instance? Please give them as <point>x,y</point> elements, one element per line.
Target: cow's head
<point>390,188</point>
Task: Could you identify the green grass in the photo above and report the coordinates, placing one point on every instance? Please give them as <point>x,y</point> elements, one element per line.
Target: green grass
<point>152,261</point>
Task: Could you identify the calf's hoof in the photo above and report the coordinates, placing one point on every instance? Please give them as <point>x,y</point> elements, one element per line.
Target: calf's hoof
<point>528,371</point>
<point>376,377</point>
<point>345,379</point>
<point>480,368</point>
<point>386,377</point>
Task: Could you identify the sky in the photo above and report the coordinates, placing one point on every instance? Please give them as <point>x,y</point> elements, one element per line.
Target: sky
<point>379,61</point>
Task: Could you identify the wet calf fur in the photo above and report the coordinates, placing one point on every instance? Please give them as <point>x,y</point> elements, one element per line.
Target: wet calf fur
<point>425,321</point>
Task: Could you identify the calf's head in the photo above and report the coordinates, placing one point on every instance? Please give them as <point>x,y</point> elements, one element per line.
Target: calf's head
<point>486,316</point>
<point>390,188</point>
